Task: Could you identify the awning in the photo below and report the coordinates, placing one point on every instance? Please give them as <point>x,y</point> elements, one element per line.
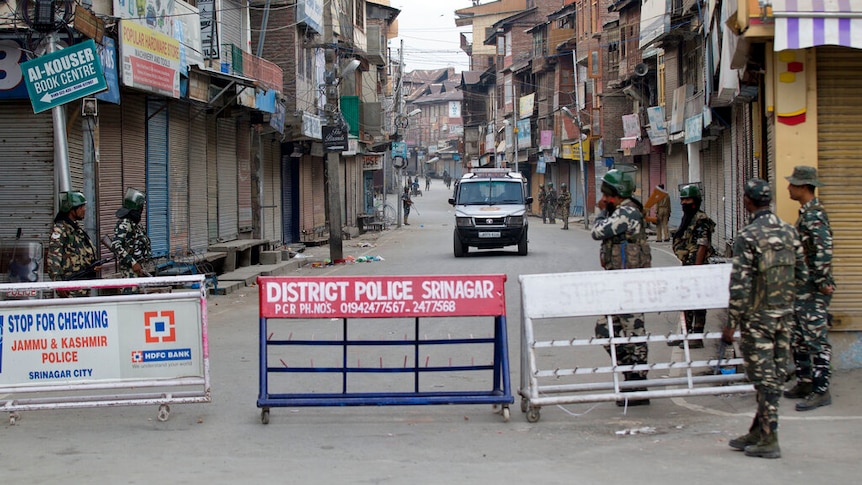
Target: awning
<point>501,147</point>
<point>800,24</point>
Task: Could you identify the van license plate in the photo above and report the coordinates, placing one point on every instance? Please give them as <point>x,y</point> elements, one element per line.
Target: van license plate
<point>489,234</point>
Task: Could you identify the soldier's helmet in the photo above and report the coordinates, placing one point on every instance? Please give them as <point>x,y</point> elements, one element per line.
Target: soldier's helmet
<point>563,185</point>
<point>134,199</point>
<point>620,183</point>
<point>758,191</point>
<point>71,200</point>
<point>550,184</point>
<point>690,191</point>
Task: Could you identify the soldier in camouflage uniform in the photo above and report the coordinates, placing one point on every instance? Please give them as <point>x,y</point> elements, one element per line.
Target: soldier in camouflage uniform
<point>551,203</point>
<point>692,244</point>
<point>543,203</point>
<point>70,249</point>
<point>810,337</point>
<point>621,229</point>
<point>131,244</point>
<point>564,202</point>
<point>768,269</point>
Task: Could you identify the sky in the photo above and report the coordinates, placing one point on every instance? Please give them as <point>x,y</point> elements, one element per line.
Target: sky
<point>431,39</point>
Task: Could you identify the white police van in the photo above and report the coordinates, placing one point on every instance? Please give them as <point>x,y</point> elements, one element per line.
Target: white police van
<point>490,211</point>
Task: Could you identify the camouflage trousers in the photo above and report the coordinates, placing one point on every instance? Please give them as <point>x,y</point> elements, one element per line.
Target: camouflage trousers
<point>548,213</point>
<point>564,215</point>
<point>765,348</point>
<point>626,325</point>
<point>812,352</point>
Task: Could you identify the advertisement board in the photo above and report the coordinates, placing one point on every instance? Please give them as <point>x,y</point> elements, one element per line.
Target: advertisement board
<point>151,60</point>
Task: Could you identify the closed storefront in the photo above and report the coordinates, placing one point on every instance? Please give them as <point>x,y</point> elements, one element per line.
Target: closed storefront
<point>134,150</point>
<point>110,167</point>
<point>244,178</point>
<point>290,213</point>
<point>157,176</point>
<point>271,181</point>
<point>312,201</point>
<point>227,180</point>
<point>839,149</point>
<point>27,189</point>
<point>178,174</point>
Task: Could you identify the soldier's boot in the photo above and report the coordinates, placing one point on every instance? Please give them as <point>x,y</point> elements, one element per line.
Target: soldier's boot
<point>767,447</point>
<point>800,391</point>
<point>752,438</point>
<point>814,401</point>
<point>697,327</point>
<point>679,343</point>
<point>405,221</point>
<point>633,376</point>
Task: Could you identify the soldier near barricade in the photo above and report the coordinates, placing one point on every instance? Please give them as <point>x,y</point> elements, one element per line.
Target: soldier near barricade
<point>621,228</point>
<point>543,205</point>
<point>71,253</point>
<point>812,352</point>
<point>564,202</point>
<point>768,269</point>
<point>131,244</point>
<point>692,244</point>
<point>551,203</point>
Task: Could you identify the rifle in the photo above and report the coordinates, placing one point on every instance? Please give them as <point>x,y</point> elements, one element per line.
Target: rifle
<point>87,270</point>
<point>106,241</point>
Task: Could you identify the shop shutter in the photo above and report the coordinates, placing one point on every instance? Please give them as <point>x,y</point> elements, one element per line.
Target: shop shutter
<point>289,196</point>
<point>212,182</point>
<point>157,176</point>
<point>197,196</point>
<point>244,178</point>
<point>110,168</point>
<point>27,199</point>
<point>271,210</point>
<point>839,150</point>
<point>75,143</point>
<point>227,180</point>
<point>134,143</point>
<point>178,166</point>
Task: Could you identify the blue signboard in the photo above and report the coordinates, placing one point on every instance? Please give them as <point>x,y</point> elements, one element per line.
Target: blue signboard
<point>11,80</point>
<point>108,57</point>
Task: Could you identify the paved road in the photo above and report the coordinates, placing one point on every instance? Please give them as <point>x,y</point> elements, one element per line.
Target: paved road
<point>224,441</point>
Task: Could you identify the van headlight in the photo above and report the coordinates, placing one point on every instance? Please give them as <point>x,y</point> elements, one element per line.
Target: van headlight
<point>464,221</point>
<point>515,221</point>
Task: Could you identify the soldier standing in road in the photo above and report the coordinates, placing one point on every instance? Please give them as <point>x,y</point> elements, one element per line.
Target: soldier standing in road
<point>551,203</point>
<point>543,203</point>
<point>564,201</point>
<point>621,229</point>
<point>70,249</point>
<point>406,202</point>
<point>812,352</point>
<point>131,244</point>
<point>768,269</point>
<point>662,216</point>
<point>692,244</point>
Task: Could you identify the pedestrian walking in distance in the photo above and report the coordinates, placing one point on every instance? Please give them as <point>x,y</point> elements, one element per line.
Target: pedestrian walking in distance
<point>768,269</point>
<point>406,202</point>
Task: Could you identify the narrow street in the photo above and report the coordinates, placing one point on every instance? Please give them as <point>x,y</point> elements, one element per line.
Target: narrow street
<point>225,442</point>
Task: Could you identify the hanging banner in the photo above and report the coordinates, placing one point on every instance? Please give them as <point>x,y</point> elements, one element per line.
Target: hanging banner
<point>151,60</point>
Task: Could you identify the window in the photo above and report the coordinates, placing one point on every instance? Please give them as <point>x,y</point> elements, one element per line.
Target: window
<point>359,16</point>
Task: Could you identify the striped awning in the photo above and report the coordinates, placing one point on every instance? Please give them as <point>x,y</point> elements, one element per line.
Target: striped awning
<point>800,24</point>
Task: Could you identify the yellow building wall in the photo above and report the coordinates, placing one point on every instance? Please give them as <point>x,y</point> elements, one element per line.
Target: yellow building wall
<point>794,144</point>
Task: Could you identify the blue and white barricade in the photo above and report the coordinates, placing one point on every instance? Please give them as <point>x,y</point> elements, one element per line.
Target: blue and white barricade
<point>128,349</point>
<point>388,340</point>
<point>558,316</point>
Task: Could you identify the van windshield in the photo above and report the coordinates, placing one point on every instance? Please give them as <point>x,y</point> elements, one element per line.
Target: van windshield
<point>490,192</point>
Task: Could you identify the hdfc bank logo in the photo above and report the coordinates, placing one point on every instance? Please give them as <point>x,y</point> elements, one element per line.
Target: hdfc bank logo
<point>160,327</point>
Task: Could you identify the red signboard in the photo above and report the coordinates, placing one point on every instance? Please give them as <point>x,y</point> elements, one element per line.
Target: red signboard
<point>382,296</point>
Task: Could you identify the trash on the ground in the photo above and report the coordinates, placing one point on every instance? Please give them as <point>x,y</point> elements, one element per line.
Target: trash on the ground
<point>633,431</point>
<point>365,244</point>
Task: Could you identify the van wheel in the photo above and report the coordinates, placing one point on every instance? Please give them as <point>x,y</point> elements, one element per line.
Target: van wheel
<point>460,248</point>
<point>522,244</point>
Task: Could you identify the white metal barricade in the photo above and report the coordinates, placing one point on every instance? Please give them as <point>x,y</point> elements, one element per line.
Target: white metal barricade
<point>606,293</point>
<point>125,349</point>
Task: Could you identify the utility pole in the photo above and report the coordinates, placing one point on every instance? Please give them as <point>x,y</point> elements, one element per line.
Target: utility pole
<point>581,137</point>
<point>399,106</point>
<point>333,158</point>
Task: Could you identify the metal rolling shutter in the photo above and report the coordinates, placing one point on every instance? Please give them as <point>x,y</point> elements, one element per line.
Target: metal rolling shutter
<point>75,143</point>
<point>839,114</point>
<point>197,195</point>
<point>134,143</point>
<point>244,178</point>
<point>351,182</point>
<point>289,196</point>
<point>270,212</point>
<point>110,168</point>
<point>212,182</point>
<point>26,172</point>
<point>713,184</point>
<point>227,180</point>
<point>178,170</point>
<point>157,177</point>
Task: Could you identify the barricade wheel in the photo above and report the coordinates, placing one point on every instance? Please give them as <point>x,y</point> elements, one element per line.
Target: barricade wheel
<point>506,414</point>
<point>264,416</point>
<point>164,412</point>
<point>533,415</point>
